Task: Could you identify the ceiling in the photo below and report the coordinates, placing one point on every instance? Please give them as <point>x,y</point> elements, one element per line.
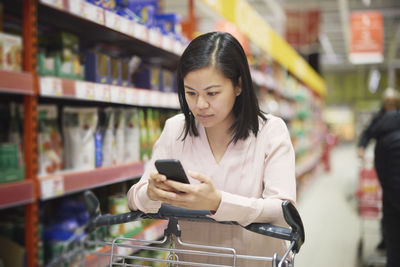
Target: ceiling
<point>334,27</point>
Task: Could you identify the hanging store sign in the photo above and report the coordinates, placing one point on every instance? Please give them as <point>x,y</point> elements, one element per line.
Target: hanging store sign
<point>366,37</point>
<point>302,28</point>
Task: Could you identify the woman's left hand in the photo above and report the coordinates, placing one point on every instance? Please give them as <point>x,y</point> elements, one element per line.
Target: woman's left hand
<point>201,196</point>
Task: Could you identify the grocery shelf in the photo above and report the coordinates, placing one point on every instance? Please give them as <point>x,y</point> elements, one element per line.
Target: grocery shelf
<point>70,182</point>
<point>151,232</point>
<point>92,33</point>
<point>16,82</point>
<point>96,92</point>
<point>16,193</point>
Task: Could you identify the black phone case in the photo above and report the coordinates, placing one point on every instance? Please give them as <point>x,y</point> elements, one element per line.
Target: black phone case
<point>172,169</point>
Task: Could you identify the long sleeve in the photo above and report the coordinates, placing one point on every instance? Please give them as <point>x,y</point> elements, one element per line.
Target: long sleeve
<point>279,181</point>
<point>137,194</point>
<point>367,135</point>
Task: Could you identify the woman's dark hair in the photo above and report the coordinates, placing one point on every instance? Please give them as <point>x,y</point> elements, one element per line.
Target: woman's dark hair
<point>224,52</point>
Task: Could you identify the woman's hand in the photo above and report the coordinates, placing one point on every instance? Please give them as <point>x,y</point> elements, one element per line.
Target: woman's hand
<point>157,189</point>
<point>201,196</point>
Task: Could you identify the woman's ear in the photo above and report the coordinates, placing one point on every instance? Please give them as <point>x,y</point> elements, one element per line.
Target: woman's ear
<point>238,88</point>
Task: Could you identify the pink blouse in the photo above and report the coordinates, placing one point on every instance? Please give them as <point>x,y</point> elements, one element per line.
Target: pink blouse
<point>255,175</point>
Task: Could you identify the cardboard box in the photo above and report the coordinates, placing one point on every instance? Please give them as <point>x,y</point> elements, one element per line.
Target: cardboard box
<point>97,67</point>
<point>10,52</point>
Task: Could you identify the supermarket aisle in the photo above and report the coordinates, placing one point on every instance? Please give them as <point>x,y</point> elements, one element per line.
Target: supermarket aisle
<point>329,214</point>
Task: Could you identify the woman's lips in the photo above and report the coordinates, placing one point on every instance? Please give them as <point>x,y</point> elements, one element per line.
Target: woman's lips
<point>204,116</point>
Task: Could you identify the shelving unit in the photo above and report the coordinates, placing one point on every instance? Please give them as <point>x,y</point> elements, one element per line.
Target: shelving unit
<point>129,40</point>
<point>16,82</point>
<point>16,193</point>
<point>61,184</point>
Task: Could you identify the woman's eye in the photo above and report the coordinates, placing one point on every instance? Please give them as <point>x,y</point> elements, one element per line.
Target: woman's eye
<point>190,93</point>
<point>212,93</point>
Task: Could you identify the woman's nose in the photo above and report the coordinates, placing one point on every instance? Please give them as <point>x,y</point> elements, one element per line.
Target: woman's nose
<point>202,103</point>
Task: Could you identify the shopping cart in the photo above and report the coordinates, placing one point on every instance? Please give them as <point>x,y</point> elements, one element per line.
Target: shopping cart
<point>121,250</point>
<point>369,195</point>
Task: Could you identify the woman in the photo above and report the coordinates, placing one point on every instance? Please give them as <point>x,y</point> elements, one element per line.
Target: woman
<point>241,162</point>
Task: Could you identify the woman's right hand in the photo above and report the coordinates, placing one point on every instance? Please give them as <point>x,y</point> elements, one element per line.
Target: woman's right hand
<point>157,189</point>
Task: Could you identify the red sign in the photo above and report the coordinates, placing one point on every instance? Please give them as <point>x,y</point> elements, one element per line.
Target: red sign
<point>302,28</point>
<point>366,41</point>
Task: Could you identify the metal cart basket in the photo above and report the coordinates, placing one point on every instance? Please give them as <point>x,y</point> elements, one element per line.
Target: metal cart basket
<point>121,250</point>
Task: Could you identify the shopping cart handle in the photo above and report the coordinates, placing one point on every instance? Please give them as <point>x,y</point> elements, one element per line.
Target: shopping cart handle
<point>292,217</point>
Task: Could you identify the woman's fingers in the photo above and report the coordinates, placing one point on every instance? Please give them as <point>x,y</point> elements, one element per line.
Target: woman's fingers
<point>199,177</point>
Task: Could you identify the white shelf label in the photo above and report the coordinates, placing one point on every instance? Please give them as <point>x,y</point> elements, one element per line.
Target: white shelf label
<point>52,187</point>
<point>110,20</point>
<point>106,92</point>
<point>50,86</point>
<point>114,94</point>
<point>122,95</point>
<point>93,13</point>
<point>84,90</point>
<point>76,7</point>
<point>54,3</point>
<point>129,96</point>
<point>143,97</point>
<point>141,32</point>
<point>125,25</point>
<point>154,98</point>
<point>99,92</point>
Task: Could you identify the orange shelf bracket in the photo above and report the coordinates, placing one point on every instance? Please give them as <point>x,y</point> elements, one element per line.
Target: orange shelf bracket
<point>29,16</point>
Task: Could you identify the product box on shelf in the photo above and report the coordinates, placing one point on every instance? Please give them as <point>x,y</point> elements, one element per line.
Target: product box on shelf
<point>144,9</point>
<point>50,148</point>
<point>115,71</point>
<point>79,127</point>
<point>9,170</point>
<point>142,77</point>
<point>46,65</point>
<point>97,67</point>
<point>125,78</point>
<point>167,81</point>
<point>10,52</point>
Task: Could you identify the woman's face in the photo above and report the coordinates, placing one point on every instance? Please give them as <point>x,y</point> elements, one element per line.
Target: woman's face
<point>210,97</point>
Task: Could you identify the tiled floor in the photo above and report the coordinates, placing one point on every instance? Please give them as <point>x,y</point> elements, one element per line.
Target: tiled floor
<point>332,225</point>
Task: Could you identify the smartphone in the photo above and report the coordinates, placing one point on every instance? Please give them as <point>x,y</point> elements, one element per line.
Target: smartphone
<point>172,169</point>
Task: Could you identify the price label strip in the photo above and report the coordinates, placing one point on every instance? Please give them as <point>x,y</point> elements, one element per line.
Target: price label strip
<point>52,187</point>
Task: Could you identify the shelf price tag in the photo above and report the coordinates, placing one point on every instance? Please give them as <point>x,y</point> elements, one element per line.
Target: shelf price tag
<point>114,94</point>
<point>99,92</point>
<point>125,25</point>
<point>110,20</point>
<point>93,13</point>
<point>140,32</point>
<point>51,187</point>
<point>106,92</point>
<point>76,7</point>
<point>54,3</point>
<point>50,86</point>
<point>143,97</point>
<point>122,95</point>
<point>154,98</point>
<point>84,90</point>
<point>129,96</point>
